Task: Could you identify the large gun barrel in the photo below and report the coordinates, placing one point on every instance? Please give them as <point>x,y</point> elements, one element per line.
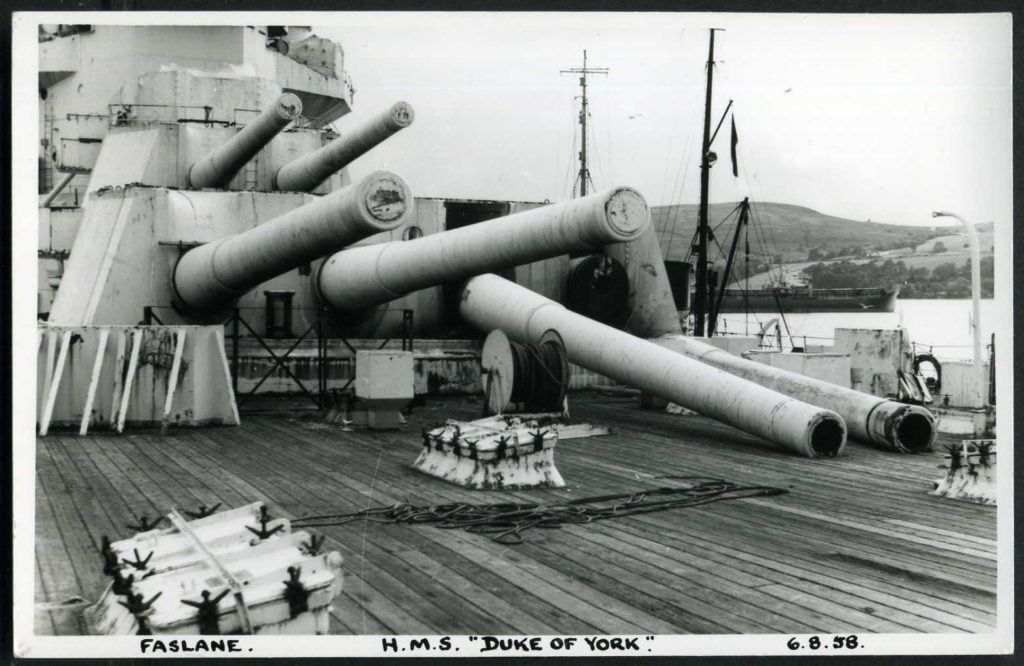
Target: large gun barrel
<point>362,277</point>
<point>490,302</point>
<point>307,172</point>
<point>885,423</point>
<point>219,167</point>
<point>211,276</point>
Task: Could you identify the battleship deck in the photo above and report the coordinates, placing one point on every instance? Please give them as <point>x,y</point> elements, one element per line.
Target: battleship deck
<point>857,544</point>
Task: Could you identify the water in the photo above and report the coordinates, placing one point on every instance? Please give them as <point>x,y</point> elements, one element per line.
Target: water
<point>944,325</point>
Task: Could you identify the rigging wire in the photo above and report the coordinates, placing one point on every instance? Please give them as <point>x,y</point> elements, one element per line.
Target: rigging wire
<point>714,236</point>
<point>761,232</point>
<point>610,177</point>
<point>560,143</point>
<point>680,165</point>
<point>680,180</point>
<point>677,193</point>
<point>569,168</point>
<point>596,158</point>
<point>604,164</point>
<point>664,186</point>
<point>767,233</point>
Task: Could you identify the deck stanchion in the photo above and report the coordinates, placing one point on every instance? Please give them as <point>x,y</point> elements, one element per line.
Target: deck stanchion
<point>54,383</point>
<point>172,380</point>
<point>50,359</point>
<point>94,380</point>
<point>133,363</point>
<point>115,402</point>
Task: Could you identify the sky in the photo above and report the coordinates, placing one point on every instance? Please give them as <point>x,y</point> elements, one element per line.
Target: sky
<point>869,117</point>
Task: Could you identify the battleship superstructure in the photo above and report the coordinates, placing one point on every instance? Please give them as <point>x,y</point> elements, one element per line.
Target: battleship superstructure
<point>112,120</point>
<point>193,176</point>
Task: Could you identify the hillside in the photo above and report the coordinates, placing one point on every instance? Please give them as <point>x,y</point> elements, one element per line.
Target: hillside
<point>796,245</point>
<point>792,232</point>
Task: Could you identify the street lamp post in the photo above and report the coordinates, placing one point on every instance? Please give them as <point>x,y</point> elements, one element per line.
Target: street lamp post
<point>972,236</point>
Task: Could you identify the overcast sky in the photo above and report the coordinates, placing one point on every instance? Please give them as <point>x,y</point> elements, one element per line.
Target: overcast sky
<point>867,117</point>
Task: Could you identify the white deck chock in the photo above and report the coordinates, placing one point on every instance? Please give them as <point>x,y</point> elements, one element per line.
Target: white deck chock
<point>499,452</point>
<point>214,575</point>
<point>971,473</point>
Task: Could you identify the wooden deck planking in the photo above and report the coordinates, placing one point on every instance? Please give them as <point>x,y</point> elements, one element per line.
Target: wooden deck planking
<point>741,516</point>
<point>535,583</point>
<point>775,560</point>
<point>55,581</point>
<point>424,599</point>
<point>762,514</point>
<point>103,506</point>
<point>864,494</point>
<point>368,489</point>
<point>193,460</point>
<point>870,621</point>
<point>800,562</point>
<point>574,568</point>
<point>747,520</point>
<point>550,578</point>
<point>44,621</point>
<point>371,556</point>
<point>192,455</point>
<point>726,582</point>
<point>867,478</point>
<point>803,489</point>
<point>877,453</point>
<point>745,610</point>
<point>82,554</point>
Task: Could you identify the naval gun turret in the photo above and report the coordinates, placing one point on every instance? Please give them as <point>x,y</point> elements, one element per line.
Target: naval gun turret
<point>308,171</point>
<point>213,276</point>
<point>180,216</point>
<point>219,167</point>
<point>365,276</point>
<point>167,199</point>
<point>490,302</point>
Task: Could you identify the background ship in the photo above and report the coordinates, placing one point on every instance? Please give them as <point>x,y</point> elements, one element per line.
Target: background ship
<point>808,299</point>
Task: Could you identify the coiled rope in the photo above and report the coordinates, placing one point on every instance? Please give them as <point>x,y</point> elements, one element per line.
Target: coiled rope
<point>934,384</point>
<point>539,377</point>
<point>504,523</point>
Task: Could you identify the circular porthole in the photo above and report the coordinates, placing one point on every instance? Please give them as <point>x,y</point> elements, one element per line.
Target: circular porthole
<point>411,233</point>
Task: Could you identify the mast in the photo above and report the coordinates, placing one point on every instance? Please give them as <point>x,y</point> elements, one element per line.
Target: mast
<point>744,213</point>
<point>584,173</point>
<point>701,304</point>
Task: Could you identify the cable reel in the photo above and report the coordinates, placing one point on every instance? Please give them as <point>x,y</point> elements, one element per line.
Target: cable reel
<point>933,380</point>
<point>531,377</point>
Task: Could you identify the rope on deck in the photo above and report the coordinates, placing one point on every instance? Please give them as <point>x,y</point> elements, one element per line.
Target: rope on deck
<point>504,523</point>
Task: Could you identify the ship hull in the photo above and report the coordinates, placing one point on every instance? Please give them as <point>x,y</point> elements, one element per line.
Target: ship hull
<point>810,300</point>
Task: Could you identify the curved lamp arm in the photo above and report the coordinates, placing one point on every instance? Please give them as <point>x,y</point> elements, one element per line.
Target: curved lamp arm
<point>972,237</point>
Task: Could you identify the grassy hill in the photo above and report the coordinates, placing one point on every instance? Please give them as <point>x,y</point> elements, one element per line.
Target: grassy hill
<point>786,239</point>
<point>791,232</point>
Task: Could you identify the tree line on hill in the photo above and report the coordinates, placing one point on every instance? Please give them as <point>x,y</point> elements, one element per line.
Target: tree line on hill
<point>946,280</point>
